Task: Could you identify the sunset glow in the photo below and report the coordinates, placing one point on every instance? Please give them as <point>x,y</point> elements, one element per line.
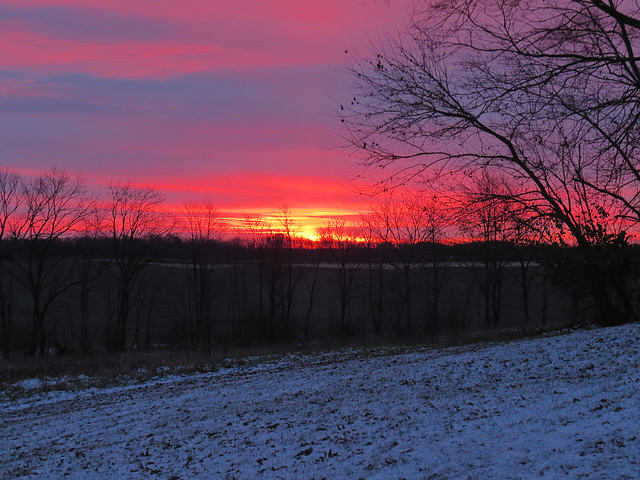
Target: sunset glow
<point>233,102</point>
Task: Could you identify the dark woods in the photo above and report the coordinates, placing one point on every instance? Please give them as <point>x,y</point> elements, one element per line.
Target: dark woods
<point>81,274</point>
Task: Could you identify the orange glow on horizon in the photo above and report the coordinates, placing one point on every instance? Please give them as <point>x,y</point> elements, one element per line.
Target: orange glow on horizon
<point>304,222</point>
<point>311,201</point>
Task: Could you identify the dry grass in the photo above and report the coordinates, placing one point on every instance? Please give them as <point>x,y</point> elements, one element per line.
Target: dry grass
<point>138,366</point>
<point>102,365</point>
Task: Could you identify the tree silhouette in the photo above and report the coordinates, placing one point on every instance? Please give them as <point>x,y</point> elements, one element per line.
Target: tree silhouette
<point>288,229</point>
<point>9,203</point>
<point>544,91</point>
<point>133,221</point>
<point>201,227</point>
<point>55,206</point>
<point>402,221</point>
<point>341,239</point>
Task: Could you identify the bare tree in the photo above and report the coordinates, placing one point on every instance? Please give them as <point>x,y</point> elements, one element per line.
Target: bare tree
<point>259,235</point>
<point>9,203</point>
<point>310,276</point>
<point>289,229</point>
<point>202,229</point>
<point>402,220</point>
<point>368,229</point>
<point>55,206</point>
<point>238,279</point>
<point>436,217</point>
<point>274,240</point>
<point>133,220</point>
<point>544,91</point>
<point>342,239</point>
<point>484,217</point>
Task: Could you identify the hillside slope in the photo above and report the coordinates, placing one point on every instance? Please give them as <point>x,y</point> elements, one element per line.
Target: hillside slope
<point>563,406</point>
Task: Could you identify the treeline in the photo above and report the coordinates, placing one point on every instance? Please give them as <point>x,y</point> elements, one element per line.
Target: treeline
<point>79,273</point>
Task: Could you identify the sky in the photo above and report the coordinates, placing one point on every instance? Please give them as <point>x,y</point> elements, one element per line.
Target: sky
<point>234,101</point>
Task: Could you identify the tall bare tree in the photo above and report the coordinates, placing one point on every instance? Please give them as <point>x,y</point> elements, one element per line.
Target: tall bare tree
<point>259,235</point>
<point>9,203</point>
<point>202,229</point>
<point>56,205</point>
<point>368,229</point>
<point>436,218</point>
<point>341,240</point>
<point>289,230</point>
<point>133,220</point>
<point>485,216</point>
<point>402,221</point>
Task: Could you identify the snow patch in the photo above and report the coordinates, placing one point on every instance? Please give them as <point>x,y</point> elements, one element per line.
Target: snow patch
<point>558,406</point>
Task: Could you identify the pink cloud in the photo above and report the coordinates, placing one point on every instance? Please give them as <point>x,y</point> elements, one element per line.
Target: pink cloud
<point>25,50</point>
<point>198,97</point>
<point>203,36</point>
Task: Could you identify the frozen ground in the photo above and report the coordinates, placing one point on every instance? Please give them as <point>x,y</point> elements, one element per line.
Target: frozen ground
<point>564,406</point>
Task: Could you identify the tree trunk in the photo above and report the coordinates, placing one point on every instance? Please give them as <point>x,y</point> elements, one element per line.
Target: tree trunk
<point>121,320</point>
<point>6,318</point>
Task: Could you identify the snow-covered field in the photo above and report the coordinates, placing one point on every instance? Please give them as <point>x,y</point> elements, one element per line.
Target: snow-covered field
<point>563,406</point>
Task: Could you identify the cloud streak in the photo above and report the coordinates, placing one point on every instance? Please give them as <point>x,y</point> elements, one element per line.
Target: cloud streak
<point>227,99</point>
